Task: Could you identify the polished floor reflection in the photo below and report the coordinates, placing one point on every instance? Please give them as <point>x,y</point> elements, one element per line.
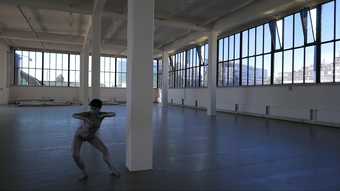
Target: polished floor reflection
<point>191,151</point>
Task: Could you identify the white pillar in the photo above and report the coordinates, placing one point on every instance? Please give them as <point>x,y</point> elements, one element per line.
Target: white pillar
<point>84,74</point>
<point>165,78</point>
<point>4,61</point>
<point>212,68</point>
<point>96,46</point>
<point>139,97</point>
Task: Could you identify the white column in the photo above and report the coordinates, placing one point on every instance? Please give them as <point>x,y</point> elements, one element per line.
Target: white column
<point>139,95</point>
<point>84,74</point>
<point>212,68</point>
<point>96,46</point>
<point>4,61</point>
<point>165,79</point>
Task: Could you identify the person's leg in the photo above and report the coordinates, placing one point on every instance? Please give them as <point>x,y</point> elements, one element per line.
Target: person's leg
<point>98,144</point>
<point>77,142</point>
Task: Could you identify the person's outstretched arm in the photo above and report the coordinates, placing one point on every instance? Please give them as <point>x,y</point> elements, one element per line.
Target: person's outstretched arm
<point>80,116</point>
<point>108,114</point>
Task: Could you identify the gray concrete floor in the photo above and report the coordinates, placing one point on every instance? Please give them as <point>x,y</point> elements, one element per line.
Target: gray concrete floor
<point>191,152</point>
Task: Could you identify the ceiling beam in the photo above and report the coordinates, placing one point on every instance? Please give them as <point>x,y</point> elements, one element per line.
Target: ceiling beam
<point>36,17</point>
<point>44,37</point>
<point>114,28</point>
<point>164,22</point>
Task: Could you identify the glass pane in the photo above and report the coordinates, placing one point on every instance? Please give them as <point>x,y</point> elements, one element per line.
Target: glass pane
<point>25,59</point>
<point>236,73</point>
<point>102,79</point>
<point>119,64</point>
<point>226,47</point>
<point>65,76</point>
<point>231,73</point>
<point>252,42</point>
<point>72,62</point>
<point>90,63</point>
<point>337,12</point>
<point>46,77</point>
<point>38,75</point>
<point>78,62</point>
<point>237,46</point>
<point>327,54</point>
<point>245,44</point>
<point>267,39</point>
<point>298,65</point>
<point>53,78</point>
<point>61,79</point>
<point>102,64</point>
<point>278,68</point>
<point>225,74</point>
<point>259,39</point>
<point>18,58</point>
<point>107,64</point>
<point>245,72</point>
<point>311,25</point>
<point>288,67</point>
<point>288,32</point>
<point>31,59</point>
<point>53,58</point>
<point>231,48</point>
<point>220,75</point>
<point>266,69</point>
<point>258,73</point>
<point>46,61</point>
<point>310,68</point>
<point>72,77</point>
<point>298,34</point>
<point>90,79</point>
<point>327,21</point>
<point>251,71</point>
<point>124,65</point>
<point>279,31</point>
<point>65,61</point>
<point>206,57</point>
<point>337,61</point>
<point>60,61</point>
<point>123,80</point>
<point>107,79</point>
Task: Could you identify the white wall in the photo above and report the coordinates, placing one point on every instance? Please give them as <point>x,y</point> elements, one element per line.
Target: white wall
<point>66,94</point>
<point>24,93</point>
<point>190,96</point>
<point>290,103</point>
<point>4,91</point>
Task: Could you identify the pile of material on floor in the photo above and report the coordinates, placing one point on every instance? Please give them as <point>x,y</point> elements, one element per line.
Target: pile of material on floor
<point>113,101</point>
<point>43,102</point>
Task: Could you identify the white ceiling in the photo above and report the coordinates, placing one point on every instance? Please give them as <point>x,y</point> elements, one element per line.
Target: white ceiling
<point>64,24</point>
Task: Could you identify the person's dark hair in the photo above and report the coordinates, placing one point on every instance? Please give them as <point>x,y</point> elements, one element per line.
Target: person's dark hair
<point>96,103</point>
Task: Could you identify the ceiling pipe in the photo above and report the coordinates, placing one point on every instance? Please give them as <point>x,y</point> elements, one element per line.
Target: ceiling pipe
<point>30,25</point>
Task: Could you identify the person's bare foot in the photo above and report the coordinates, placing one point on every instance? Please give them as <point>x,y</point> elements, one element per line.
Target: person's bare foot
<point>83,178</point>
<point>115,173</point>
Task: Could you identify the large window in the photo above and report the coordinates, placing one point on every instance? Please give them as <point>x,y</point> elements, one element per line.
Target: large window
<point>74,70</point>
<point>157,73</point>
<point>229,61</point>
<point>330,36</point>
<point>29,67</point>
<point>112,72</point>
<point>189,68</point>
<point>297,49</point>
<point>107,72</point>
<point>37,68</point>
<point>121,79</point>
